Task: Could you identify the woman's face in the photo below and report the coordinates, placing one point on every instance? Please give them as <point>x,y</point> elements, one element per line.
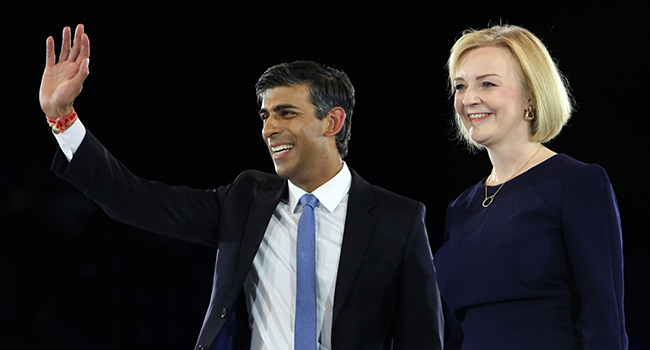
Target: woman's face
<point>489,98</point>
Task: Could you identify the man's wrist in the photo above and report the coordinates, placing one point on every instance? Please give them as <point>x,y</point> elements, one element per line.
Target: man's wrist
<point>64,121</point>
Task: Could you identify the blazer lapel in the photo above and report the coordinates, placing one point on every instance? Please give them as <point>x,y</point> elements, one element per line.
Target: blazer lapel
<point>359,226</point>
<point>259,216</point>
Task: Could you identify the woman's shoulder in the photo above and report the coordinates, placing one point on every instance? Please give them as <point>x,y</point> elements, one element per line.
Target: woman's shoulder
<point>569,166</point>
<point>564,173</point>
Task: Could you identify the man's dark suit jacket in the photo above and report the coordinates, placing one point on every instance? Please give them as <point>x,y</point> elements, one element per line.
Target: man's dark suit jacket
<point>386,295</point>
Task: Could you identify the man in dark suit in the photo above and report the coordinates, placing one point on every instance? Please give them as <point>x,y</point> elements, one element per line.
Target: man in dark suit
<point>374,281</point>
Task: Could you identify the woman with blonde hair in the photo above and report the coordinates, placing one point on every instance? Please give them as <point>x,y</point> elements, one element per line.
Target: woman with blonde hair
<point>532,254</point>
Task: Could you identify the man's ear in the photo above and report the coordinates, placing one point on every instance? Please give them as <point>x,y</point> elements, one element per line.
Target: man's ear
<point>335,120</point>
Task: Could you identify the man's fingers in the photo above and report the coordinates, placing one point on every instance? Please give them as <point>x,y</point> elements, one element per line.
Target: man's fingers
<point>84,70</point>
<point>65,45</point>
<point>49,52</point>
<point>76,43</point>
<point>84,52</point>
<point>78,32</point>
<point>78,79</point>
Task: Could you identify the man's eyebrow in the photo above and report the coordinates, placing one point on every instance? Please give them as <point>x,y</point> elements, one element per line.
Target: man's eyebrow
<point>277,108</point>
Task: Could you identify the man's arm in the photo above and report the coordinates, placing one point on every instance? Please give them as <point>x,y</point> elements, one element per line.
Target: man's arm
<point>176,211</point>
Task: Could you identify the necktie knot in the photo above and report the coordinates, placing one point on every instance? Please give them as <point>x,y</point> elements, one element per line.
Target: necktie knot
<point>308,200</point>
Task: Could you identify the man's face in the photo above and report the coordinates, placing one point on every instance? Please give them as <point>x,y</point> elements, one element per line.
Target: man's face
<point>295,137</point>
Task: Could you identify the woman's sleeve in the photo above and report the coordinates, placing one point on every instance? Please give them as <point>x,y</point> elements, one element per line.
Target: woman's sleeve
<point>592,232</point>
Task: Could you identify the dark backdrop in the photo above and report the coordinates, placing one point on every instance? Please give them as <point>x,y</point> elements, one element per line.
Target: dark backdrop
<point>171,95</point>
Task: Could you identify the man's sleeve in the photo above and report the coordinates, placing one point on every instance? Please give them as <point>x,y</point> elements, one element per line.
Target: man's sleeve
<point>419,320</point>
<point>177,211</point>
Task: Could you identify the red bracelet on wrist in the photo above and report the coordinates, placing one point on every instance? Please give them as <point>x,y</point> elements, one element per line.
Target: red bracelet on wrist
<point>61,123</point>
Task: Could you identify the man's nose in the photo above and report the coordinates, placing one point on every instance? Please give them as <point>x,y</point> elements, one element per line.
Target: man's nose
<point>270,127</point>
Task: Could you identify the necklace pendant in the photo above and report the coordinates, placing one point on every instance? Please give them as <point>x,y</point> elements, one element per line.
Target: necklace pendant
<point>487,201</point>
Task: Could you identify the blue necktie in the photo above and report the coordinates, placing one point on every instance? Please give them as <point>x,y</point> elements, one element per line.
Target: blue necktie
<point>305,326</point>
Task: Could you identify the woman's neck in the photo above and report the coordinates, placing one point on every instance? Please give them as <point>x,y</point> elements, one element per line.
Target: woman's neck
<point>509,162</point>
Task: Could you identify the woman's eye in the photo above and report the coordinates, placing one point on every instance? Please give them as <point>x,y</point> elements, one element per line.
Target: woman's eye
<point>459,87</point>
<point>487,84</point>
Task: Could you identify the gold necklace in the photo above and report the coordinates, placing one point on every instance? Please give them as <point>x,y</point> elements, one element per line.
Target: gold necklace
<point>488,200</point>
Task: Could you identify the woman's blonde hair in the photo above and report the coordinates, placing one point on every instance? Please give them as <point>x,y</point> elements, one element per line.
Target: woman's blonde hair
<point>541,81</point>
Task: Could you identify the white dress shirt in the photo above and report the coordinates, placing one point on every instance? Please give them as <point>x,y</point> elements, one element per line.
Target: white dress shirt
<point>270,287</point>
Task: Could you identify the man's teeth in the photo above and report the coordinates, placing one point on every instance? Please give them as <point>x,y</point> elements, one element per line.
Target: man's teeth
<point>281,149</point>
<point>478,115</point>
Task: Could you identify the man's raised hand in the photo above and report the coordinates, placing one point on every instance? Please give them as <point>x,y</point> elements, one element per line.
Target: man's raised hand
<point>63,80</point>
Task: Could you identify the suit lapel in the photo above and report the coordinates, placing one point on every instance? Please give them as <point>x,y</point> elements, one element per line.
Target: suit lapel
<point>359,226</point>
<point>259,217</point>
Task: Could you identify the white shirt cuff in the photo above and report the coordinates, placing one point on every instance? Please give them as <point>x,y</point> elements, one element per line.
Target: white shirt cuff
<point>71,138</point>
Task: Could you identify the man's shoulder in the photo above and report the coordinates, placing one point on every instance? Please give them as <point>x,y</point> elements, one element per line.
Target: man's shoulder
<point>383,196</point>
<point>257,179</point>
<point>249,183</point>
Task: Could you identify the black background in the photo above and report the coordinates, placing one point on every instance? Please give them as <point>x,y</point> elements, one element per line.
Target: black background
<point>171,94</point>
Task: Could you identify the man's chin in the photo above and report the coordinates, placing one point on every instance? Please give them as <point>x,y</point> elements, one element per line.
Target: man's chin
<point>282,172</point>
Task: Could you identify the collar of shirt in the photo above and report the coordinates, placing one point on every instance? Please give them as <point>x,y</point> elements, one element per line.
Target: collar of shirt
<point>329,194</point>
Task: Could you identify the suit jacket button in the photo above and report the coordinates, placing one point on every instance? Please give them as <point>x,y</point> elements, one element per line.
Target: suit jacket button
<point>200,347</point>
<point>224,312</point>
